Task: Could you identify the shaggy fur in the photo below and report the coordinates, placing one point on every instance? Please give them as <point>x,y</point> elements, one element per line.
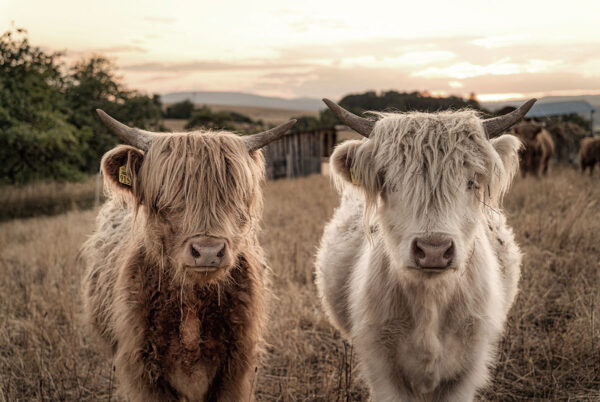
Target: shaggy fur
<point>538,148</point>
<point>176,334</point>
<point>419,335</point>
<point>589,154</point>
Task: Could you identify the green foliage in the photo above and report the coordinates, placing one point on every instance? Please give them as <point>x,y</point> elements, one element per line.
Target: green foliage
<point>48,124</point>
<point>398,102</point>
<point>404,102</point>
<point>92,84</point>
<point>36,139</point>
<point>306,123</point>
<point>223,120</point>
<point>180,110</point>
<point>31,153</point>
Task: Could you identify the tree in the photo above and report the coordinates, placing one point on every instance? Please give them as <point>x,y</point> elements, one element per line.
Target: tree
<point>180,110</point>
<point>306,123</point>
<point>398,101</point>
<point>48,124</point>
<point>36,139</point>
<point>223,120</point>
<point>92,84</point>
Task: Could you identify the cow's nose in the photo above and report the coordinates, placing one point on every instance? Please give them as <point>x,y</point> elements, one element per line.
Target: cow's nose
<point>433,252</point>
<point>208,252</point>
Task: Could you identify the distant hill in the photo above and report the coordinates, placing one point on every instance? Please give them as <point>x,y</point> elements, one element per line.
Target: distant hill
<point>593,100</point>
<point>244,99</point>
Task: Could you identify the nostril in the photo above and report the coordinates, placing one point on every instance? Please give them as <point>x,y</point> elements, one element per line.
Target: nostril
<point>418,251</point>
<point>195,252</point>
<point>221,253</point>
<point>450,252</point>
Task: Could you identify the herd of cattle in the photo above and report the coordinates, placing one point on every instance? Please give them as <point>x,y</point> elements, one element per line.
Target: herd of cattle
<point>417,268</point>
<point>559,140</point>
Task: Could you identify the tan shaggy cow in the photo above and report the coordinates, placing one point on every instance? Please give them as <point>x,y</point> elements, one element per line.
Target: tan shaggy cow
<point>175,278</point>
<point>418,268</point>
<point>589,154</point>
<point>538,148</point>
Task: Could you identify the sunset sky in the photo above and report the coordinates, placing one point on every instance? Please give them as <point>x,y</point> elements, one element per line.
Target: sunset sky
<point>497,49</point>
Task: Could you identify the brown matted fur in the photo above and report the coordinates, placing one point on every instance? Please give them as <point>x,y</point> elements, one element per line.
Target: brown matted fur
<point>175,334</point>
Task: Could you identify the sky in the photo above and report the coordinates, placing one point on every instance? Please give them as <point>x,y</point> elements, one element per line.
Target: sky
<point>324,48</point>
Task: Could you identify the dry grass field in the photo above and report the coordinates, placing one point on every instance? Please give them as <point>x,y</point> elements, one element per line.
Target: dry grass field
<point>268,115</point>
<point>49,198</point>
<point>551,350</point>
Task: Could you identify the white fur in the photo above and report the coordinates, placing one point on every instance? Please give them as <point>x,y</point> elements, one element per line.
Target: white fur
<point>421,336</point>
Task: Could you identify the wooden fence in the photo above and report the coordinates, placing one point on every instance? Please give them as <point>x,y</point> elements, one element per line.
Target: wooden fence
<point>299,154</point>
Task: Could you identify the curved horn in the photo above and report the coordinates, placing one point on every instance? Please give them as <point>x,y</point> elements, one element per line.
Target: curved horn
<point>359,124</point>
<point>496,125</point>
<point>133,136</point>
<point>259,140</point>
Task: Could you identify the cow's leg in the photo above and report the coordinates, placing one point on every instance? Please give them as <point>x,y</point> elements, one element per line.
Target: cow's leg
<point>235,384</point>
<point>140,380</point>
<point>136,362</point>
<point>465,387</point>
<point>236,378</point>
<point>546,164</point>
<point>378,368</point>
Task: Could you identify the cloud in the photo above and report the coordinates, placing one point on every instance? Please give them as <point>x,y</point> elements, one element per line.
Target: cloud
<point>464,70</point>
<point>109,50</point>
<point>209,65</point>
<point>160,20</point>
<point>500,40</point>
<point>459,65</point>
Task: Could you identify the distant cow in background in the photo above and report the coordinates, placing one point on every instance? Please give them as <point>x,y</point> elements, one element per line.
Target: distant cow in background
<point>175,277</point>
<point>589,154</point>
<point>538,148</point>
<point>567,137</point>
<point>418,267</point>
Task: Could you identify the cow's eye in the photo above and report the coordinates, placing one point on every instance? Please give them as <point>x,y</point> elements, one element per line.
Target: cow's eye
<point>472,184</point>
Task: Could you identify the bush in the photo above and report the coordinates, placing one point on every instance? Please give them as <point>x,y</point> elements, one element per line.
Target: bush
<point>223,120</point>
<point>180,110</point>
<point>397,101</point>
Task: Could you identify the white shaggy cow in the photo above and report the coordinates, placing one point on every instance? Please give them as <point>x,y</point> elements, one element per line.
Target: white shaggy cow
<point>418,267</point>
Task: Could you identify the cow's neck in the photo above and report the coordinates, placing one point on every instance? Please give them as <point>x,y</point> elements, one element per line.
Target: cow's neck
<point>428,301</point>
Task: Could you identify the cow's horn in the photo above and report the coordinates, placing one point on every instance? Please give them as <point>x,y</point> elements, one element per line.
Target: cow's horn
<point>359,124</point>
<point>133,136</point>
<point>496,125</point>
<point>259,140</point>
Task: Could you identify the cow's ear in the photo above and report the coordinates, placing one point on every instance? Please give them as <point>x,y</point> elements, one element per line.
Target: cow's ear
<point>352,163</point>
<point>507,146</point>
<point>342,161</point>
<point>120,167</point>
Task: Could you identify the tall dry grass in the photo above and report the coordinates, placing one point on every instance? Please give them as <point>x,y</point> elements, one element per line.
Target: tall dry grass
<point>49,198</point>
<point>551,349</point>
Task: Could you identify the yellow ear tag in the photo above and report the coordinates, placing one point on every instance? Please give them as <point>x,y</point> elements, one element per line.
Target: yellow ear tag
<point>354,180</point>
<point>123,178</point>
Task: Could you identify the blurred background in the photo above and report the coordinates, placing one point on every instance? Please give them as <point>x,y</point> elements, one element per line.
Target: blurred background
<point>247,66</point>
<point>185,64</point>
